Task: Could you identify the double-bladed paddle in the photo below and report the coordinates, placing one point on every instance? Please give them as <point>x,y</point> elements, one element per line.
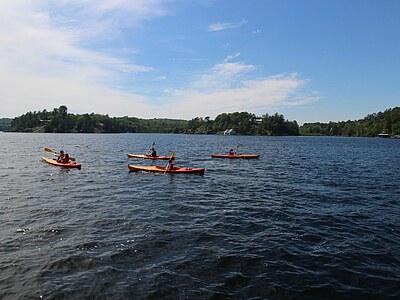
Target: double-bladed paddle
<point>148,152</point>
<point>237,148</point>
<point>55,153</point>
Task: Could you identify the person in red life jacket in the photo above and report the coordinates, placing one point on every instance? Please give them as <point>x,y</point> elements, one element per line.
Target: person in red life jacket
<point>170,166</point>
<point>231,152</point>
<point>65,159</point>
<point>60,156</point>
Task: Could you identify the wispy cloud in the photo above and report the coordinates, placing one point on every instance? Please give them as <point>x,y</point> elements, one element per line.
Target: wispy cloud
<point>229,87</point>
<point>231,57</point>
<point>225,26</point>
<point>224,75</point>
<point>94,17</point>
<point>256,96</point>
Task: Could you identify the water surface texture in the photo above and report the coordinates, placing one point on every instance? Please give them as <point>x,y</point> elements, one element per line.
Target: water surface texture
<point>312,218</point>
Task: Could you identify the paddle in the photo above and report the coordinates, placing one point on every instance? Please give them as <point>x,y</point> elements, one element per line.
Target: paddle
<point>237,148</point>
<point>149,152</point>
<point>55,153</point>
<point>170,164</point>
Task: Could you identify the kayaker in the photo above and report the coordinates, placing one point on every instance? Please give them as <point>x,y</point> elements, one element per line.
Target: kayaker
<point>231,152</point>
<point>65,159</point>
<point>60,156</point>
<point>153,152</point>
<point>170,166</point>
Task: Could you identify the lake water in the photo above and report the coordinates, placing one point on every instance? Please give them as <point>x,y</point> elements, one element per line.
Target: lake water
<point>313,218</point>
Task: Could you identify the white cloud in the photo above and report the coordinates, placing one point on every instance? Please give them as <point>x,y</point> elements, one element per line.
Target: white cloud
<point>40,49</point>
<point>93,17</point>
<point>224,75</point>
<point>225,26</point>
<point>25,27</point>
<point>224,89</point>
<point>231,57</point>
<point>80,97</point>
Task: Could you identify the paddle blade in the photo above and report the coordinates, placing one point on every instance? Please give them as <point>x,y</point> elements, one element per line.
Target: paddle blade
<point>48,150</point>
<point>172,155</point>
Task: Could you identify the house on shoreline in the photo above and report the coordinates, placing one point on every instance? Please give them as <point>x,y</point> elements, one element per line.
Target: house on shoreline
<point>384,135</point>
<point>229,132</point>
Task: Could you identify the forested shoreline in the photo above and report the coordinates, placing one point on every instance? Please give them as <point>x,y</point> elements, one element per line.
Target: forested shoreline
<point>387,122</point>
<point>5,124</point>
<point>242,123</point>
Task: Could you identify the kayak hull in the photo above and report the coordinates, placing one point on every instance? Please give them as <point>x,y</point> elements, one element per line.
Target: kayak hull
<point>246,156</point>
<point>54,162</point>
<point>148,156</point>
<point>161,169</point>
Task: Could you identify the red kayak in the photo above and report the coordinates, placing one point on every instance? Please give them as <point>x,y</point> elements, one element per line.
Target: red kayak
<point>54,162</point>
<point>161,169</point>
<point>148,156</point>
<point>247,156</point>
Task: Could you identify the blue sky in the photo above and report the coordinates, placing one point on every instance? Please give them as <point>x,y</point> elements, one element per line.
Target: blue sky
<point>310,60</point>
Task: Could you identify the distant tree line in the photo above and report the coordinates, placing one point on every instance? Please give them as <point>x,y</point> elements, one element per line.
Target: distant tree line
<point>59,120</point>
<point>5,124</point>
<point>243,123</point>
<point>372,125</point>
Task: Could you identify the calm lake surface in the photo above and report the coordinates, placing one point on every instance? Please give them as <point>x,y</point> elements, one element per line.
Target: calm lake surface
<point>313,218</point>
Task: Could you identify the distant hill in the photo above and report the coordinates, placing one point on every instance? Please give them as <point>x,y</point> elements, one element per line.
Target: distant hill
<point>382,122</point>
<point>5,124</point>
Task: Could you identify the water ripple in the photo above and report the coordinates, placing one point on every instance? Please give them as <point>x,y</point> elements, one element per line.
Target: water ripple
<point>313,218</point>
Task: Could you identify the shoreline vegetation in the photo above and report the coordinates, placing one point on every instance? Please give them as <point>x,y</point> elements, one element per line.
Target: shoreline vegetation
<point>381,124</point>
